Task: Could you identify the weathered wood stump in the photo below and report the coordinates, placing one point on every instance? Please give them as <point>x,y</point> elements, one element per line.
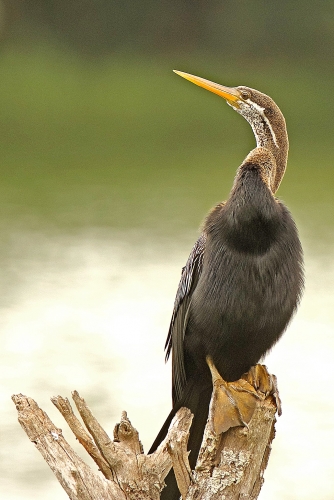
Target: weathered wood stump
<point>230,465</point>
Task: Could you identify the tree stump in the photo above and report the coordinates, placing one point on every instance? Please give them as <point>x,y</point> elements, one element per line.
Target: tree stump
<point>230,465</point>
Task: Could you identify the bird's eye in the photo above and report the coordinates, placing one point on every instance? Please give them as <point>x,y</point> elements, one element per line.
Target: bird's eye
<point>245,95</point>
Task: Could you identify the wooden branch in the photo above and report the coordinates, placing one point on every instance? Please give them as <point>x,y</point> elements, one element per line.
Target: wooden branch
<point>128,473</point>
<point>64,406</point>
<point>77,479</point>
<point>230,465</point>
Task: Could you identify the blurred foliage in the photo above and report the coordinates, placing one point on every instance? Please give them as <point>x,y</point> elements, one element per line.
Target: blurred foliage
<point>241,28</point>
<point>120,141</point>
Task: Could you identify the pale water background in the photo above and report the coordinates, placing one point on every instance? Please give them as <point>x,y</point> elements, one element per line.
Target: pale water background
<point>91,312</point>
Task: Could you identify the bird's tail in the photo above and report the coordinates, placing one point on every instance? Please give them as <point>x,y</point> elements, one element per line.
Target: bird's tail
<point>197,398</point>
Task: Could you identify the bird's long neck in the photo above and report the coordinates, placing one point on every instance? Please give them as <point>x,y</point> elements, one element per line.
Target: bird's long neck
<point>247,221</point>
<point>253,181</point>
<point>274,141</point>
<point>250,220</point>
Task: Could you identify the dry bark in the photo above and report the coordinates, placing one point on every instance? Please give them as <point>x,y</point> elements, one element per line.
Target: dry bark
<point>230,465</point>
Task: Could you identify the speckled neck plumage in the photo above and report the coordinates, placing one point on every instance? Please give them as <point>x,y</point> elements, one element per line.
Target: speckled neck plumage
<point>277,144</point>
<point>270,133</point>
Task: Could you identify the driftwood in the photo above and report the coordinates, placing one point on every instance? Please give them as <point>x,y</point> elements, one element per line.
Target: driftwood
<point>230,465</point>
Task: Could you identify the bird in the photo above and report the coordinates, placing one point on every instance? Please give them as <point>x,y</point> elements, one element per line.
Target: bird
<point>243,280</point>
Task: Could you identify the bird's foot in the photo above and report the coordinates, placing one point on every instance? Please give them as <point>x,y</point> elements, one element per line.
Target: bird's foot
<point>264,383</point>
<point>232,403</point>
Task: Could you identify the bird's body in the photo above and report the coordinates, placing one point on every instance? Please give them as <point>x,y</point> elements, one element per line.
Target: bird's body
<point>243,279</point>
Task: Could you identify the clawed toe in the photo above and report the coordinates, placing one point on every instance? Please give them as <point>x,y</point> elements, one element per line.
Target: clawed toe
<point>265,383</point>
<point>233,403</point>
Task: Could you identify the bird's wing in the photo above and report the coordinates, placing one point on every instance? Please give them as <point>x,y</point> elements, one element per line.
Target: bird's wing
<point>188,282</point>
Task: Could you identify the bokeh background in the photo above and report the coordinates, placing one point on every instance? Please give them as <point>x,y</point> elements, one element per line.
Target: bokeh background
<point>109,162</point>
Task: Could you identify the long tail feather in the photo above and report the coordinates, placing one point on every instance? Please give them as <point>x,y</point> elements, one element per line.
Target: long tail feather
<point>197,399</point>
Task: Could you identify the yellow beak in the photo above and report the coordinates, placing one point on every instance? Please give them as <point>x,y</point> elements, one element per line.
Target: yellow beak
<point>231,94</point>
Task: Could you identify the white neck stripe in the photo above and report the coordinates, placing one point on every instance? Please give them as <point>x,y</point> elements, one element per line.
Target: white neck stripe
<point>261,111</point>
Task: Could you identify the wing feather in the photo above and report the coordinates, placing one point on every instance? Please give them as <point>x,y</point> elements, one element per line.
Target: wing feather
<point>174,343</point>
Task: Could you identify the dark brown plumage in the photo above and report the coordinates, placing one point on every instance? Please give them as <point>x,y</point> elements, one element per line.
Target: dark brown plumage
<point>243,279</point>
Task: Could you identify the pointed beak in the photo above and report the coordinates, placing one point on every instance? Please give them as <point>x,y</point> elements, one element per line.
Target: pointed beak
<point>231,94</point>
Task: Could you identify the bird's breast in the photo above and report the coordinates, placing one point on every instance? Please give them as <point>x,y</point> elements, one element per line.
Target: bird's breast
<point>240,307</point>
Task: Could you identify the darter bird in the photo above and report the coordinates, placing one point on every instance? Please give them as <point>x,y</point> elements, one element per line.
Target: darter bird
<point>244,277</point>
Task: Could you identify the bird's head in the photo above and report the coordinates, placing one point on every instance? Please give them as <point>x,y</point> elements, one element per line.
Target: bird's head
<point>263,114</point>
